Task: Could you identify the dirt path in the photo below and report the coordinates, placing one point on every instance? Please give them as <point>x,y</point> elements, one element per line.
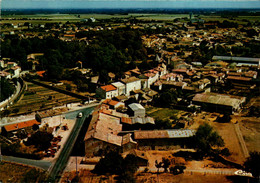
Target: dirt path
<point>241,140</point>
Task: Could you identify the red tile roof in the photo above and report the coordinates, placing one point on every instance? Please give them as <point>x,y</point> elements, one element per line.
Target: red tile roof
<point>126,120</point>
<point>108,88</point>
<point>40,73</point>
<point>21,125</point>
<point>239,78</point>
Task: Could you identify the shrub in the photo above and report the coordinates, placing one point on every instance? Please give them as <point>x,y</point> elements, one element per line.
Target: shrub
<point>177,169</point>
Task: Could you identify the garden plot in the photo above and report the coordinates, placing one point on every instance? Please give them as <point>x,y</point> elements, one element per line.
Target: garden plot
<point>38,98</point>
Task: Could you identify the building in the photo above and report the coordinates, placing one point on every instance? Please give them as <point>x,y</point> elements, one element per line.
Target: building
<point>107,92</point>
<point>163,139</point>
<point>218,102</point>
<point>131,84</point>
<point>201,84</point>
<point>18,126</point>
<point>120,88</point>
<point>113,104</point>
<point>245,60</point>
<point>34,58</point>
<point>15,71</point>
<point>102,135</point>
<point>136,110</point>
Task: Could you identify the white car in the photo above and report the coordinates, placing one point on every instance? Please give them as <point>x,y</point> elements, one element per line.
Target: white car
<point>243,173</point>
<point>80,115</point>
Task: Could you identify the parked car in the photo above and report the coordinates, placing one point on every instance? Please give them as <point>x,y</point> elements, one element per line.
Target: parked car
<point>80,115</point>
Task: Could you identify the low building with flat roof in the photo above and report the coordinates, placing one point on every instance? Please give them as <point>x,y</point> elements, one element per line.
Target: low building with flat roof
<point>219,102</point>
<point>163,139</point>
<point>136,110</point>
<point>247,60</point>
<point>18,126</point>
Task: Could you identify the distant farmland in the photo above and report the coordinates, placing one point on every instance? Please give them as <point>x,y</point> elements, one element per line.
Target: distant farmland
<point>48,18</point>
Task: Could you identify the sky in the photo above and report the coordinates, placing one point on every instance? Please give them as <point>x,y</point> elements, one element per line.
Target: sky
<point>71,4</point>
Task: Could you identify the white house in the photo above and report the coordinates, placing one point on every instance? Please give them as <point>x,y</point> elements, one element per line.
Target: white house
<point>152,76</point>
<point>15,71</point>
<point>120,87</point>
<point>107,91</point>
<point>131,84</point>
<point>136,110</point>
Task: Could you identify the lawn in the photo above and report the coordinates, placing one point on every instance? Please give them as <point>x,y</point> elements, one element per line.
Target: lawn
<point>162,113</point>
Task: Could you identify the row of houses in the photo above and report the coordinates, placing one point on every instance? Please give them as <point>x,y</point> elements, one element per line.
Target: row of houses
<point>9,69</point>
<point>134,81</point>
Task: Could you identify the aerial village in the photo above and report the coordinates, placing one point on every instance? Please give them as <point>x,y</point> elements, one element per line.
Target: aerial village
<point>152,110</point>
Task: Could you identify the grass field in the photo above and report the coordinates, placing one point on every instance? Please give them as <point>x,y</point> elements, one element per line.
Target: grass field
<point>162,113</point>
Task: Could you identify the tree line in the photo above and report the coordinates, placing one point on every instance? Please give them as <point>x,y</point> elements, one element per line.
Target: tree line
<point>102,52</point>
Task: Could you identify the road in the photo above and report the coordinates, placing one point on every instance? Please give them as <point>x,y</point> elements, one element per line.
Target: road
<point>36,163</point>
<point>3,104</point>
<point>241,140</point>
<point>57,169</point>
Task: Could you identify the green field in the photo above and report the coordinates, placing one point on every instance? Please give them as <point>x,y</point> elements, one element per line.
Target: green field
<point>162,113</point>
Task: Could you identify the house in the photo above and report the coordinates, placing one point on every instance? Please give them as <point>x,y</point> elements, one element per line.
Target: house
<point>34,59</point>
<point>40,73</point>
<point>113,104</point>
<point>216,64</point>
<point>239,79</point>
<point>5,74</point>
<point>136,110</point>
<point>163,139</point>
<point>15,71</point>
<point>102,135</point>
<point>18,126</point>
<point>107,91</point>
<point>201,84</point>
<point>131,84</point>
<point>152,76</point>
<point>120,88</point>
<point>219,102</point>
<point>11,64</point>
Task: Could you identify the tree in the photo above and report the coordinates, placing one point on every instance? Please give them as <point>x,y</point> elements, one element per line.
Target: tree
<point>252,164</point>
<point>114,164</point>
<point>165,164</point>
<point>111,164</point>
<point>34,175</point>
<point>207,141</point>
<point>177,169</point>
<point>158,165</point>
<point>129,168</point>
<point>6,88</point>
<point>68,87</point>
<point>40,139</point>
<point>167,98</point>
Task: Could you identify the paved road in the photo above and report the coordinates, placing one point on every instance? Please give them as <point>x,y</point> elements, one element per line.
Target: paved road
<point>36,163</point>
<point>3,104</point>
<point>60,164</point>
